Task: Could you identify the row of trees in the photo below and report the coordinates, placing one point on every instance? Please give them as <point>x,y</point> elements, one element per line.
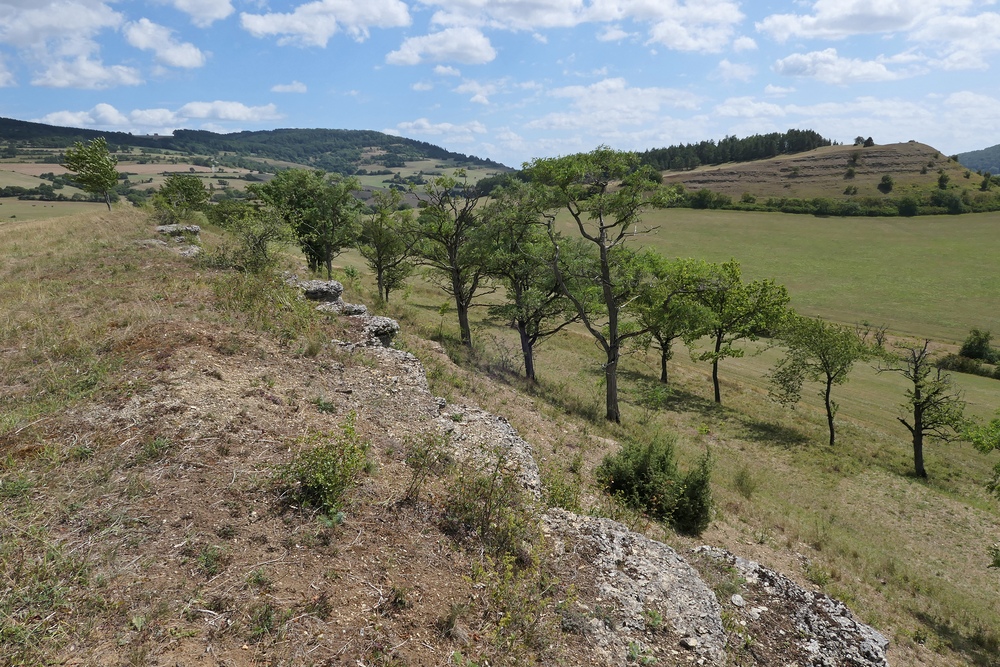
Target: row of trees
<point>623,296</point>
<point>733,149</point>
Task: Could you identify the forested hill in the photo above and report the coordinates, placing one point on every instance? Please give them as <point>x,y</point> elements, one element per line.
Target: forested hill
<point>331,150</point>
<point>987,159</point>
<point>733,149</point>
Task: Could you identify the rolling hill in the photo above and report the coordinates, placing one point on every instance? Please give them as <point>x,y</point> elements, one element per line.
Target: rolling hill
<point>987,159</point>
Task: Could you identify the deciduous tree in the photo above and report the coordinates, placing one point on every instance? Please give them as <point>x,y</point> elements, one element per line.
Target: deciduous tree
<point>387,242</point>
<point>934,408</point>
<point>818,351</point>
<point>449,224</point>
<point>738,311</point>
<point>605,193</point>
<point>96,169</point>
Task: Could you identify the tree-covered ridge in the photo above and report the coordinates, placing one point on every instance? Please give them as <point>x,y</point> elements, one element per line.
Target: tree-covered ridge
<point>733,149</point>
<point>987,159</point>
<point>341,151</point>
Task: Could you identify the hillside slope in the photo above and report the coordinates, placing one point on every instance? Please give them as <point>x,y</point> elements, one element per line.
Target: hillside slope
<point>987,159</point>
<point>824,172</point>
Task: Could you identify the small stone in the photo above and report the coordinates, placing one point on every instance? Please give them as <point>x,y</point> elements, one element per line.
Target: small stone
<point>738,600</point>
<point>689,643</point>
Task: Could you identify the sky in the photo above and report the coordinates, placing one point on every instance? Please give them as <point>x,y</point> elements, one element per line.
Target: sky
<point>512,80</point>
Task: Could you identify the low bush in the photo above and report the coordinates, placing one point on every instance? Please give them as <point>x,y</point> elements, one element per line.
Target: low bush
<point>977,345</point>
<point>321,475</point>
<point>646,477</point>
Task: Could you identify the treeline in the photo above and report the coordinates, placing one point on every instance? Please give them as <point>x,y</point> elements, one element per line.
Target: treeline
<point>937,202</point>
<point>987,159</point>
<point>733,149</point>
<point>337,151</point>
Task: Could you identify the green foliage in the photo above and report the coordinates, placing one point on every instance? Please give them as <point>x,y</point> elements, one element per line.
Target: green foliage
<point>886,184</point>
<point>737,311</point>
<point>488,504</point>
<point>387,241</point>
<point>321,475</point>
<point>645,477</point>
<point>426,455</point>
<point>179,196</point>
<point>977,345</point>
<point>733,149</point>
<point>943,180</point>
<point>256,239</point>
<point>320,208</point>
<point>818,351</point>
<point>96,169</point>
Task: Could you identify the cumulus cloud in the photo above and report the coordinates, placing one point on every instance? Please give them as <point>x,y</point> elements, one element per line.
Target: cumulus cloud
<point>314,23</point>
<point>6,76</point>
<point>204,13</point>
<point>448,132</point>
<point>293,87</point>
<point>445,70</point>
<point>480,91</point>
<point>777,91</point>
<point>728,71</point>
<point>422,86</point>
<point>106,116</point>
<point>835,19</point>
<point>83,72</point>
<point>148,36</point>
<point>829,67</point>
<point>744,44</point>
<point>60,27</point>
<point>747,107</point>
<point>595,105</point>
<point>464,45</point>
<point>223,110</point>
<point>612,33</point>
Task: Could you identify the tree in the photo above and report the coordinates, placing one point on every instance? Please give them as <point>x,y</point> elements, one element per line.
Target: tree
<point>668,309</point>
<point>886,184</point>
<point>321,208</point>
<point>943,180</point>
<point>934,407</point>
<point>986,438</point>
<point>96,169</point>
<point>181,194</point>
<point>738,311</point>
<point>521,260</point>
<point>818,351</point>
<point>449,225</point>
<point>605,193</point>
<point>387,241</point>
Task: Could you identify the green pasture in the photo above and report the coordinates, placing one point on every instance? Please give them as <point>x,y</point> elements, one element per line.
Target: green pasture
<point>930,276</point>
<point>12,208</point>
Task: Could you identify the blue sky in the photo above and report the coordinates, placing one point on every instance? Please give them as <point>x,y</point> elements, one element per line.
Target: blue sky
<point>512,79</point>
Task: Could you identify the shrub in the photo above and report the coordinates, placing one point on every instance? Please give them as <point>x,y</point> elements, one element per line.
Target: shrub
<point>321,475</point>
<point>977,346</point>
<point>886,184</point>
<point>645,477</point>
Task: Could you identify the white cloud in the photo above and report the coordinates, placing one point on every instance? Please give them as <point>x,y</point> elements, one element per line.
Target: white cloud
<point>314,23</point>
<point>686,25</point>
<point>612,33</point>
<point>728,71</point>
<point>422,86</point>
<point>612,102</point>
<point>465,45</point>
<point>161,120</point>
<point>293,87</point>
<point>148,36</point>
<point>445,70</point>
<point>61,27</point>
<point>744,44</point>
<point>204,12</point>
<point>480,91</point>
<point>747,107</point>
<point>83,72</point>
<point>223,110</point>
<point>6,76</point>
<point>450,132</point>
<point>829,67</point>
<point>835,19</point>
<point>777,91</point>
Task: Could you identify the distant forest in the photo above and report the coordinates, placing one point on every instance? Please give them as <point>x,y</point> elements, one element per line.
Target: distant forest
<point>733,149</point>
<point>331,150</point>
<point>985,160</point>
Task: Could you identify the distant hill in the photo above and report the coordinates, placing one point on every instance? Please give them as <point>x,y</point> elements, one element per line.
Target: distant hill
<point>734,149</point>
<point>987,159</point>
<point>340,151</point>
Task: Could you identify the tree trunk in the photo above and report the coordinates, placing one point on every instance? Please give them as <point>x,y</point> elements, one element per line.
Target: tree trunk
<point>463,323</point>
<point>382,291</point>
<point>715,369</point>
<point>107,198</point>
<point>918,454</point>
<point>611,382</point>
<point>829,410</point>
<point>664,355</point>
<point>527,351</point>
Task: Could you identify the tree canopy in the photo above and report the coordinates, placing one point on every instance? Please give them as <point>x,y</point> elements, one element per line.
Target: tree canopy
<point>96,169</point>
